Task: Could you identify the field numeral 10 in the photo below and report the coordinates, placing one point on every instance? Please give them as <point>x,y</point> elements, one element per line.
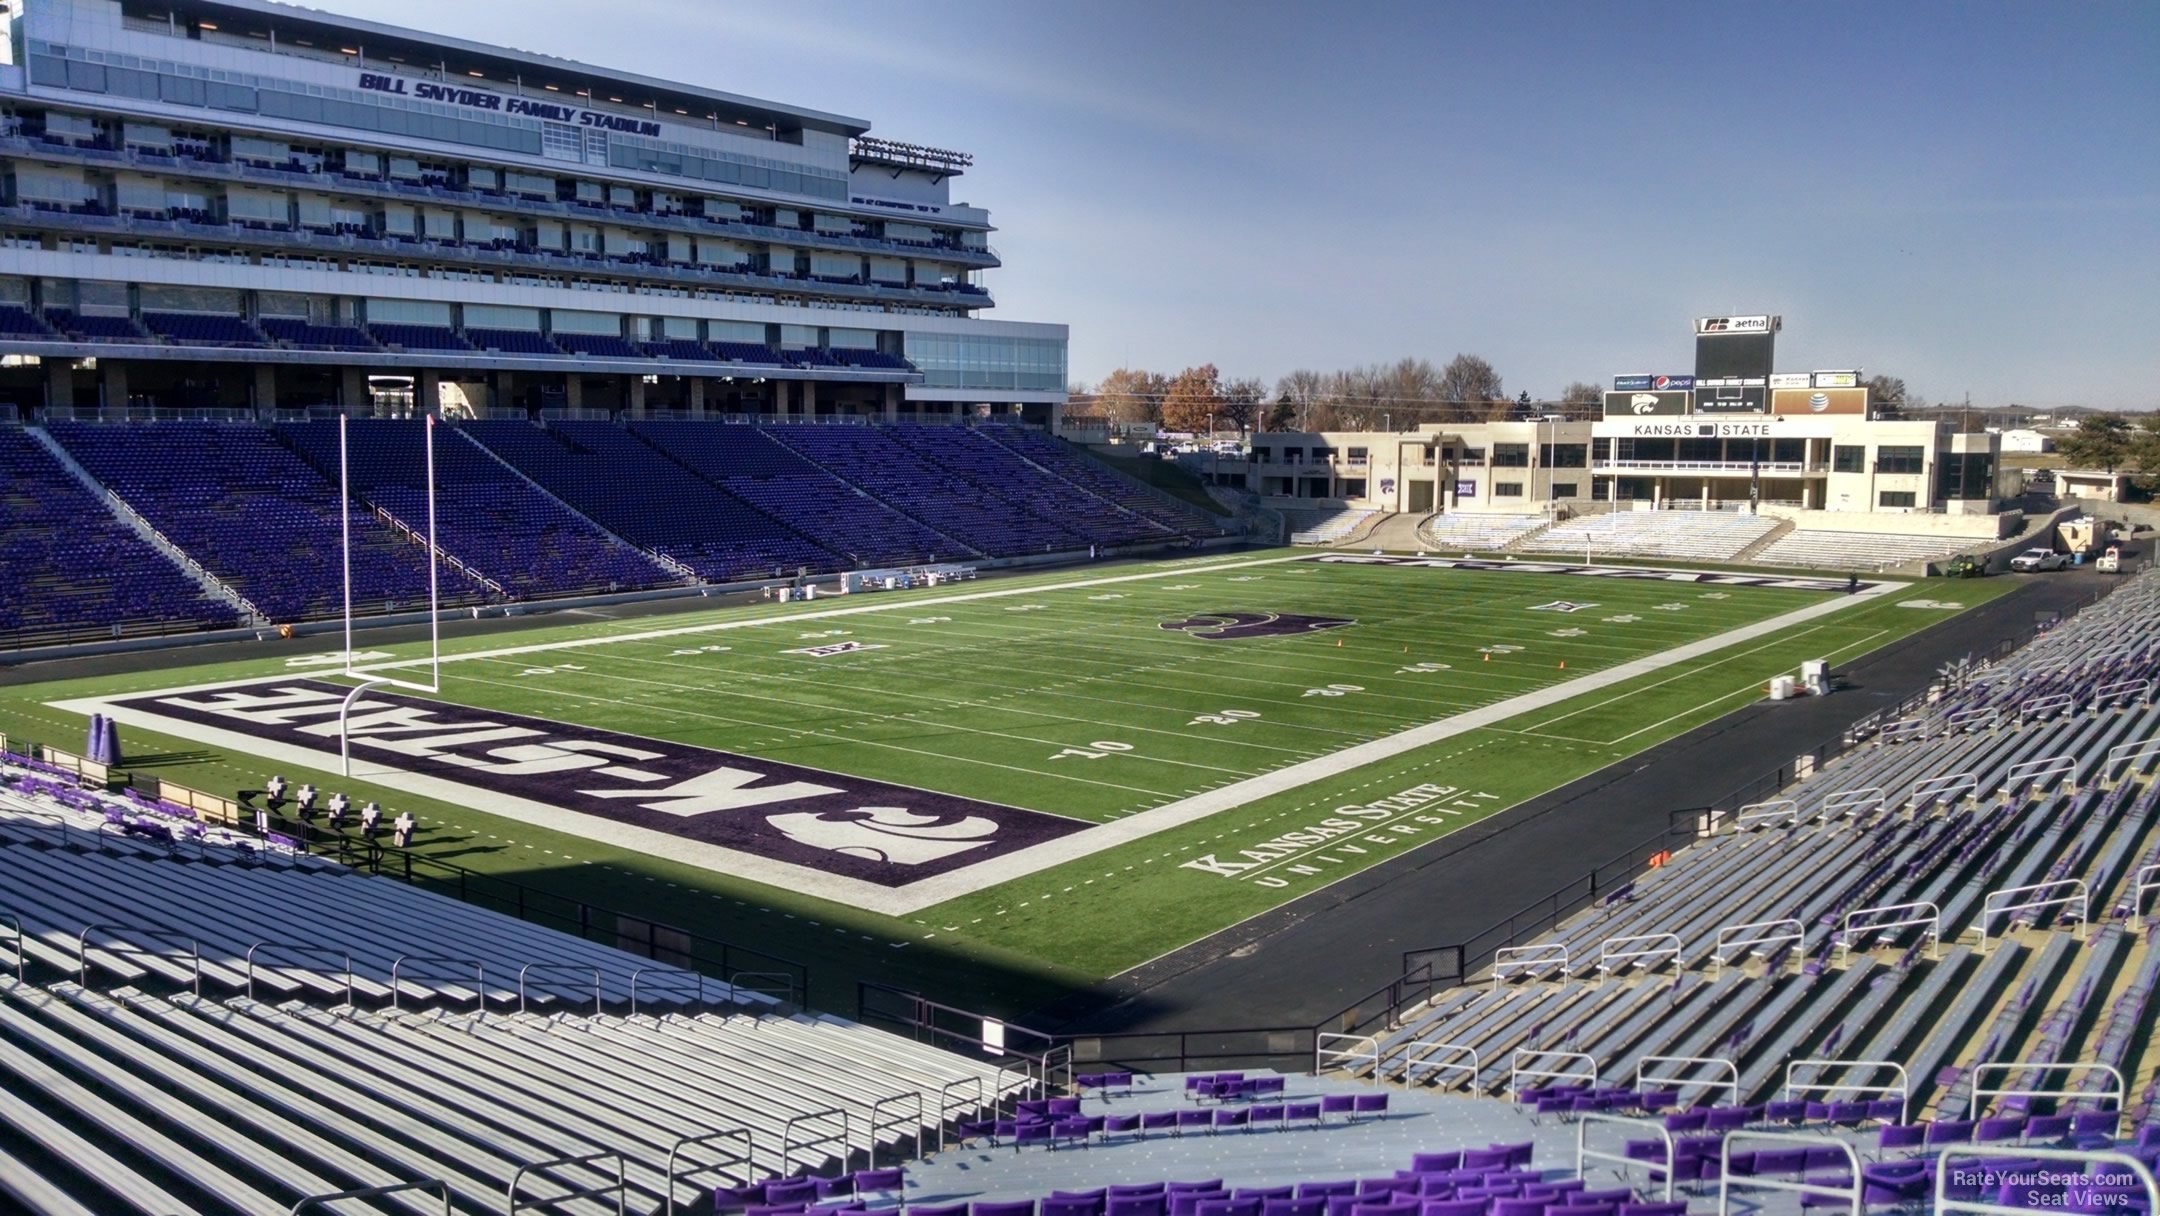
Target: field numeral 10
<point>1334,690</point>
<point>1102,748</point>
<point>1228,717</point>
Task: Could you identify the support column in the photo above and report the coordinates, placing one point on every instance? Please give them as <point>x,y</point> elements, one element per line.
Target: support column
<point>697,397</point>
<point>809,398</point>
<point>60,384</point>
<point>112,385</point>
<point>265,394</point>
<point>427,391</point>
<point>634,397</point>
<point>352,391</point>
<point>892,403</point>
<point>501,390</point>
<point>780,397</point>
<point>574,390</point>
<point>1706,494</point>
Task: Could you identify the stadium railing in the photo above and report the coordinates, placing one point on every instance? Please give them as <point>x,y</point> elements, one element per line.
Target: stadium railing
<point>745,967</point>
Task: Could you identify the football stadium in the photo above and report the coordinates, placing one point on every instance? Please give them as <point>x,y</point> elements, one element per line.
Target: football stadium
<point>554,658</point>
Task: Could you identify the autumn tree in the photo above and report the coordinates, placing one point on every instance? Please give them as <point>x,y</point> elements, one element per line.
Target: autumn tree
<point>1888,398</point>
<point>1130,395</point>
<point>1194,399</point>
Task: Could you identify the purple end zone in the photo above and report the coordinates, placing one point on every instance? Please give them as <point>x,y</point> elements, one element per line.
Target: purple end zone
<point>891,835</point>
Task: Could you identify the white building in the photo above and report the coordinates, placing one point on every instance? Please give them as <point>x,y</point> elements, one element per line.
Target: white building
<point>255,205</point>
<point>2025,442</point>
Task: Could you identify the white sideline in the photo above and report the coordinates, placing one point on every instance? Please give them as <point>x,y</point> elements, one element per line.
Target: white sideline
<point>916,896</point>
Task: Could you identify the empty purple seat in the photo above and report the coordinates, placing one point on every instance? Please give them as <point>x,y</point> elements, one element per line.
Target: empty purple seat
<point>1902,1136</point>
<point>1337,1104</point>
<point>1521,1206</point>
<point>1369,1104</point>
<point>1195,1120</point>
<point>792,1190</point>
<point>1119,1124</point>
<point>944,1209</point>
<point>1024,1207</point>
<point>1055,1206</point>
<point>1159,1120</point>
<point>1323,1190</point>
<point>1949,1131</point>
<point>1653,1209</point>
<point>1264,1193</point>
<point>1064,1106</point>
<point>1238,1117</point>
<point>1294,1112</point>
<point>1032,1133</point>
<point>1313,1206</point>
<point>1886,1110</point>
<point>1187,1203</point>
<point>1268,1112</point>
<point>1453,1207</point>
<point>1435,1163</point>
<point>1998,1129</point>
<point>1133,1190</point>
<point>2044,1128</point>
<point>1134,1205</point>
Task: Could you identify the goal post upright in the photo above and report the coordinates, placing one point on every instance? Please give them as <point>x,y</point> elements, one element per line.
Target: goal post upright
<point>352,670</point>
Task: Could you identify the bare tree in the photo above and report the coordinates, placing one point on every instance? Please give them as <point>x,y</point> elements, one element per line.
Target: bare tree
<point>1301,390</point>
<point>1469,385</point>
<point>1241,403</point>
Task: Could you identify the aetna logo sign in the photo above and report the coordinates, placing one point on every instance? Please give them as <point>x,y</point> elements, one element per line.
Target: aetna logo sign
<point>887,834</point>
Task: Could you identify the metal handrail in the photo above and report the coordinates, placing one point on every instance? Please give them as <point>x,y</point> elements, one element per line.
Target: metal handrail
<point>301,949</point>
<point>436,1185</point>
<point>1947,786</point>
<point>2080,896</point>
<point>1849,802</point>
<point>149,934</point>
<point>1529,959</point>
<point>1850,1194</point>
<point>1726,941</point>
<point>675,1175</point>
<point>621,1188</point>
<point>1755,814</point>
<point>1731,1086</point>
<point>1516,1071</point>
<point>1338,1056</point>
<point>1607,956</point>
<point>1903,1089</point>
<point>1473,1068</point>
<point>1980,1093</point>
<point>479,978</point>
<point>2039,770</point>
<point>788,1144</point>
<point>900,1120</point>
<point>1623,1162</point>
<point>946,1104</point>
<point>1932,922</point>
<point>787,989</point>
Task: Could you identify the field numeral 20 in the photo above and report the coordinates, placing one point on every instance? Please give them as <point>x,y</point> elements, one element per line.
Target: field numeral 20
<point>1102,748</point>
<point>1334,690</point>
<point>1228,717</point>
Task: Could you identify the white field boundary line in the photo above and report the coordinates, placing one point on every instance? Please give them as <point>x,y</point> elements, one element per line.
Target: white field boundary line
<point>904,901</point>
<point>954,884</point>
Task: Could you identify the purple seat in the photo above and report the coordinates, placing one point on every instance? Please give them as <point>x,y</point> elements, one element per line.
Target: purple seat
<point>1435,1163</point>
<point>1325,1190</point>
<point>1134,1205</point>
<point>2093,1123</point>
<point>1368,1104</point>
<point>793,1190</point>
<point>1228,1207</point>
<point>1072,1129</point>
<point>1116,1124</point>
<point>1603,1208</point>
<point>1453,1207</point>
<point>2043,1128</point>
<point>1268,1112</point>
<point>1240,1117</point>
<point>1159,1120</point>
<point>1308,1112</point>
<point>835,1188</point>
<point>878,1180</point>
<point>1653,1209</point>
<point>1726,1119</point>
<point>1024,1207</point>
<point>1032,1133</point>
<point>1054,1206</point>
<point>1521,1207</point>
<point>1401,1207</point>
<point>1064,1107</point>
<point>1264,1193</point>
<point>1133,1190</point>
<point>774,1209</point>
<point>1998,1129</point>
<point>945,1209</point>
<point>1197,1120</point>
<point>1949,1131</point>
<point>1687,1121</point>
<point>1902,1136</point>
<point>1313,1206</point>
<point>1886,1110</point>
<point>1787,1112</point>
<point>1187,1203</point>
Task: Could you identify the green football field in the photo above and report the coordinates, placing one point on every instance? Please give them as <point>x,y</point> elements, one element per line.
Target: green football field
<point>1201,740</point>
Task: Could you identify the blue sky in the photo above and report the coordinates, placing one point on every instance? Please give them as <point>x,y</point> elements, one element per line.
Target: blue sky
<point>1965,195</point>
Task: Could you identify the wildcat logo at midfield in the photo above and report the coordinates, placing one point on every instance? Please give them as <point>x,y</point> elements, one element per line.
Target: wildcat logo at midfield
<point>891,835</point>
<point>1234,626</point>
